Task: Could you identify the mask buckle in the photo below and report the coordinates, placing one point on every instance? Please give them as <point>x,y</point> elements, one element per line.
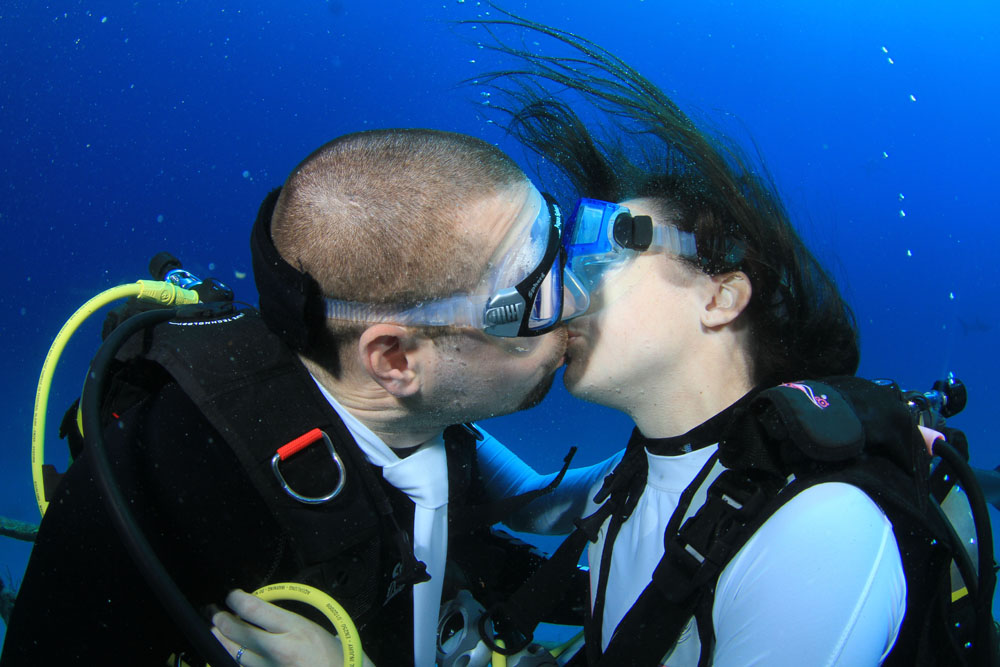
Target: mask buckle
<point>633,232</point>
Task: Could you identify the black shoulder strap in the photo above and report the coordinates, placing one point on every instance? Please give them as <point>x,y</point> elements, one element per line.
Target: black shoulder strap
<point>694,556</point>
<point>260,398</point>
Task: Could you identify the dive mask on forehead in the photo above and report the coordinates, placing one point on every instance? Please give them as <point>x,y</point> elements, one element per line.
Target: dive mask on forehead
<point>521,295</point>
<point>601,236</point>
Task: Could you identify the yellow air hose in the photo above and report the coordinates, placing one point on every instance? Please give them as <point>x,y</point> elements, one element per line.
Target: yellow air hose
<point>163,293</point>
<point>350,640</point>
<point>557,651</point>
<point>499,659</point>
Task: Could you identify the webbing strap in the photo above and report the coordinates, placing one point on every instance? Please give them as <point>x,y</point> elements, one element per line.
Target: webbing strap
<point>667,617</point>
<point>620,507</point>
<point>515,619</point>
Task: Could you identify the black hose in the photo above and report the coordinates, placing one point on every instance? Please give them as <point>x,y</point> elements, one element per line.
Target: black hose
<point>984,538</point>
<point>177,606</point>
<point>970,576</point>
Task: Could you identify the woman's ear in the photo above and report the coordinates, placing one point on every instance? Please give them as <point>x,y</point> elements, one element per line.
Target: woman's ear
<point>393,357</point>
<point>730,295</point>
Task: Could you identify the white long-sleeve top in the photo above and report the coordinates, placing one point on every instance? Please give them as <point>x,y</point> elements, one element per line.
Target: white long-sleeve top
<point>821,582</point>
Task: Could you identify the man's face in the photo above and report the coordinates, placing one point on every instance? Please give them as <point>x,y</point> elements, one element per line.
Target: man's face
<point>478,375</point>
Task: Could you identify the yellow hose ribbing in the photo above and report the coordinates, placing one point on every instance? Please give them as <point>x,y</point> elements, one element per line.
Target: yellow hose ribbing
<point>349,638</point>
<point>162,293</point>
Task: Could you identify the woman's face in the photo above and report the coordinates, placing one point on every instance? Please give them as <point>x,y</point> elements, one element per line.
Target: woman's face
<point>644,320</point>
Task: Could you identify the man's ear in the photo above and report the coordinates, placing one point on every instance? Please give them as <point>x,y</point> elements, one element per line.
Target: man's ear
<point>392,356</point>
<point>730,295</point>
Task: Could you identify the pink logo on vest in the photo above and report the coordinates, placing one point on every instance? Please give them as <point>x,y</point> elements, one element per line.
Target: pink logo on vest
<point>820,401</point>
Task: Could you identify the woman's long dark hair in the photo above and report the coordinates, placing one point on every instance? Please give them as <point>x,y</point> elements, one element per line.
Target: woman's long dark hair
<point>800,325</point>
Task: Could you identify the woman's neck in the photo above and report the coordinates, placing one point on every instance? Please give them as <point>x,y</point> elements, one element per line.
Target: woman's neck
<point>677,402</point>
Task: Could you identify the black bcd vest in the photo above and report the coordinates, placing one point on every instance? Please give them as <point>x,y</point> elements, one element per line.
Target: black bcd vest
<point>783,441</point>
<point>258,396</point>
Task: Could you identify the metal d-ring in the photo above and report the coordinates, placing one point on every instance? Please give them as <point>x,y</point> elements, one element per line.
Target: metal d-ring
<point>297,445</point>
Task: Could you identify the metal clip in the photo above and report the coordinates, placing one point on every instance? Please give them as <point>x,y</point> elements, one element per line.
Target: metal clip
<point>297,445</point>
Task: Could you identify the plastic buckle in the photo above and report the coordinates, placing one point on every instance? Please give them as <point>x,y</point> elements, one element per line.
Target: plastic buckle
<point>744,495</point>
<point>297,445</point>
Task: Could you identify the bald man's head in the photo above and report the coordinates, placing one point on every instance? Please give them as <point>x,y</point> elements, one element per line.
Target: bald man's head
<point>382,216</point>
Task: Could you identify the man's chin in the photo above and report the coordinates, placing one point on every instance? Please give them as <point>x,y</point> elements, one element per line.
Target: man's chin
<point>538,393</point>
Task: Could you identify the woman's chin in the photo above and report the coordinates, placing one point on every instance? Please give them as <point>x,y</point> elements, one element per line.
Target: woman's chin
<point>573,375</point>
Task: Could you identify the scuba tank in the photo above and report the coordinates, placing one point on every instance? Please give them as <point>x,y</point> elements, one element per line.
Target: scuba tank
<point>932,409</point>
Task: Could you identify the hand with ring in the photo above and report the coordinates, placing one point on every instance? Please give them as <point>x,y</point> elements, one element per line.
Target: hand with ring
<point>261,634</point>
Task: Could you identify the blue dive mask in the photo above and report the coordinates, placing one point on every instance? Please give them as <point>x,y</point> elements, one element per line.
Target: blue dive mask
<point>602,236</point>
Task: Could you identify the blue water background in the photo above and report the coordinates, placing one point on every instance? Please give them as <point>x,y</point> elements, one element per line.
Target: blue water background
<point>133,127</point>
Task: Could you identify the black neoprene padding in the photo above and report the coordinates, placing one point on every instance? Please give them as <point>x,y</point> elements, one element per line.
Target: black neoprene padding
<point>291,301</point>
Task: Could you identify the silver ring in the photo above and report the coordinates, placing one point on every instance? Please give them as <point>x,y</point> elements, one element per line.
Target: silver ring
<point>239,654</point>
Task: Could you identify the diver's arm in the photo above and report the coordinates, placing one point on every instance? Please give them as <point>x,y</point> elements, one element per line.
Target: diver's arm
<point>827,570</point>
<point>504,475</point>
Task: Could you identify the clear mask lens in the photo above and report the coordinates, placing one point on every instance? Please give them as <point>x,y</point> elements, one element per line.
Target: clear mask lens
<point>547,307</point>
<point>576,296</point>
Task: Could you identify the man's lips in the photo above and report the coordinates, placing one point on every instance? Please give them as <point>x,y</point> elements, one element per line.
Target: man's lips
<point>571,338</point>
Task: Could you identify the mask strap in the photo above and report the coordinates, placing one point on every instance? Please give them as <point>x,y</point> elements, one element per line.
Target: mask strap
<point>291,302</point>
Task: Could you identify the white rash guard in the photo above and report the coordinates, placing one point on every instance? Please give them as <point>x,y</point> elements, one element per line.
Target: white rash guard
<point>821,582</point>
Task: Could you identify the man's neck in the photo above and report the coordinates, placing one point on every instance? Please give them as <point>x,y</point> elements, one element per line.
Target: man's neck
<point>377,409</point>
